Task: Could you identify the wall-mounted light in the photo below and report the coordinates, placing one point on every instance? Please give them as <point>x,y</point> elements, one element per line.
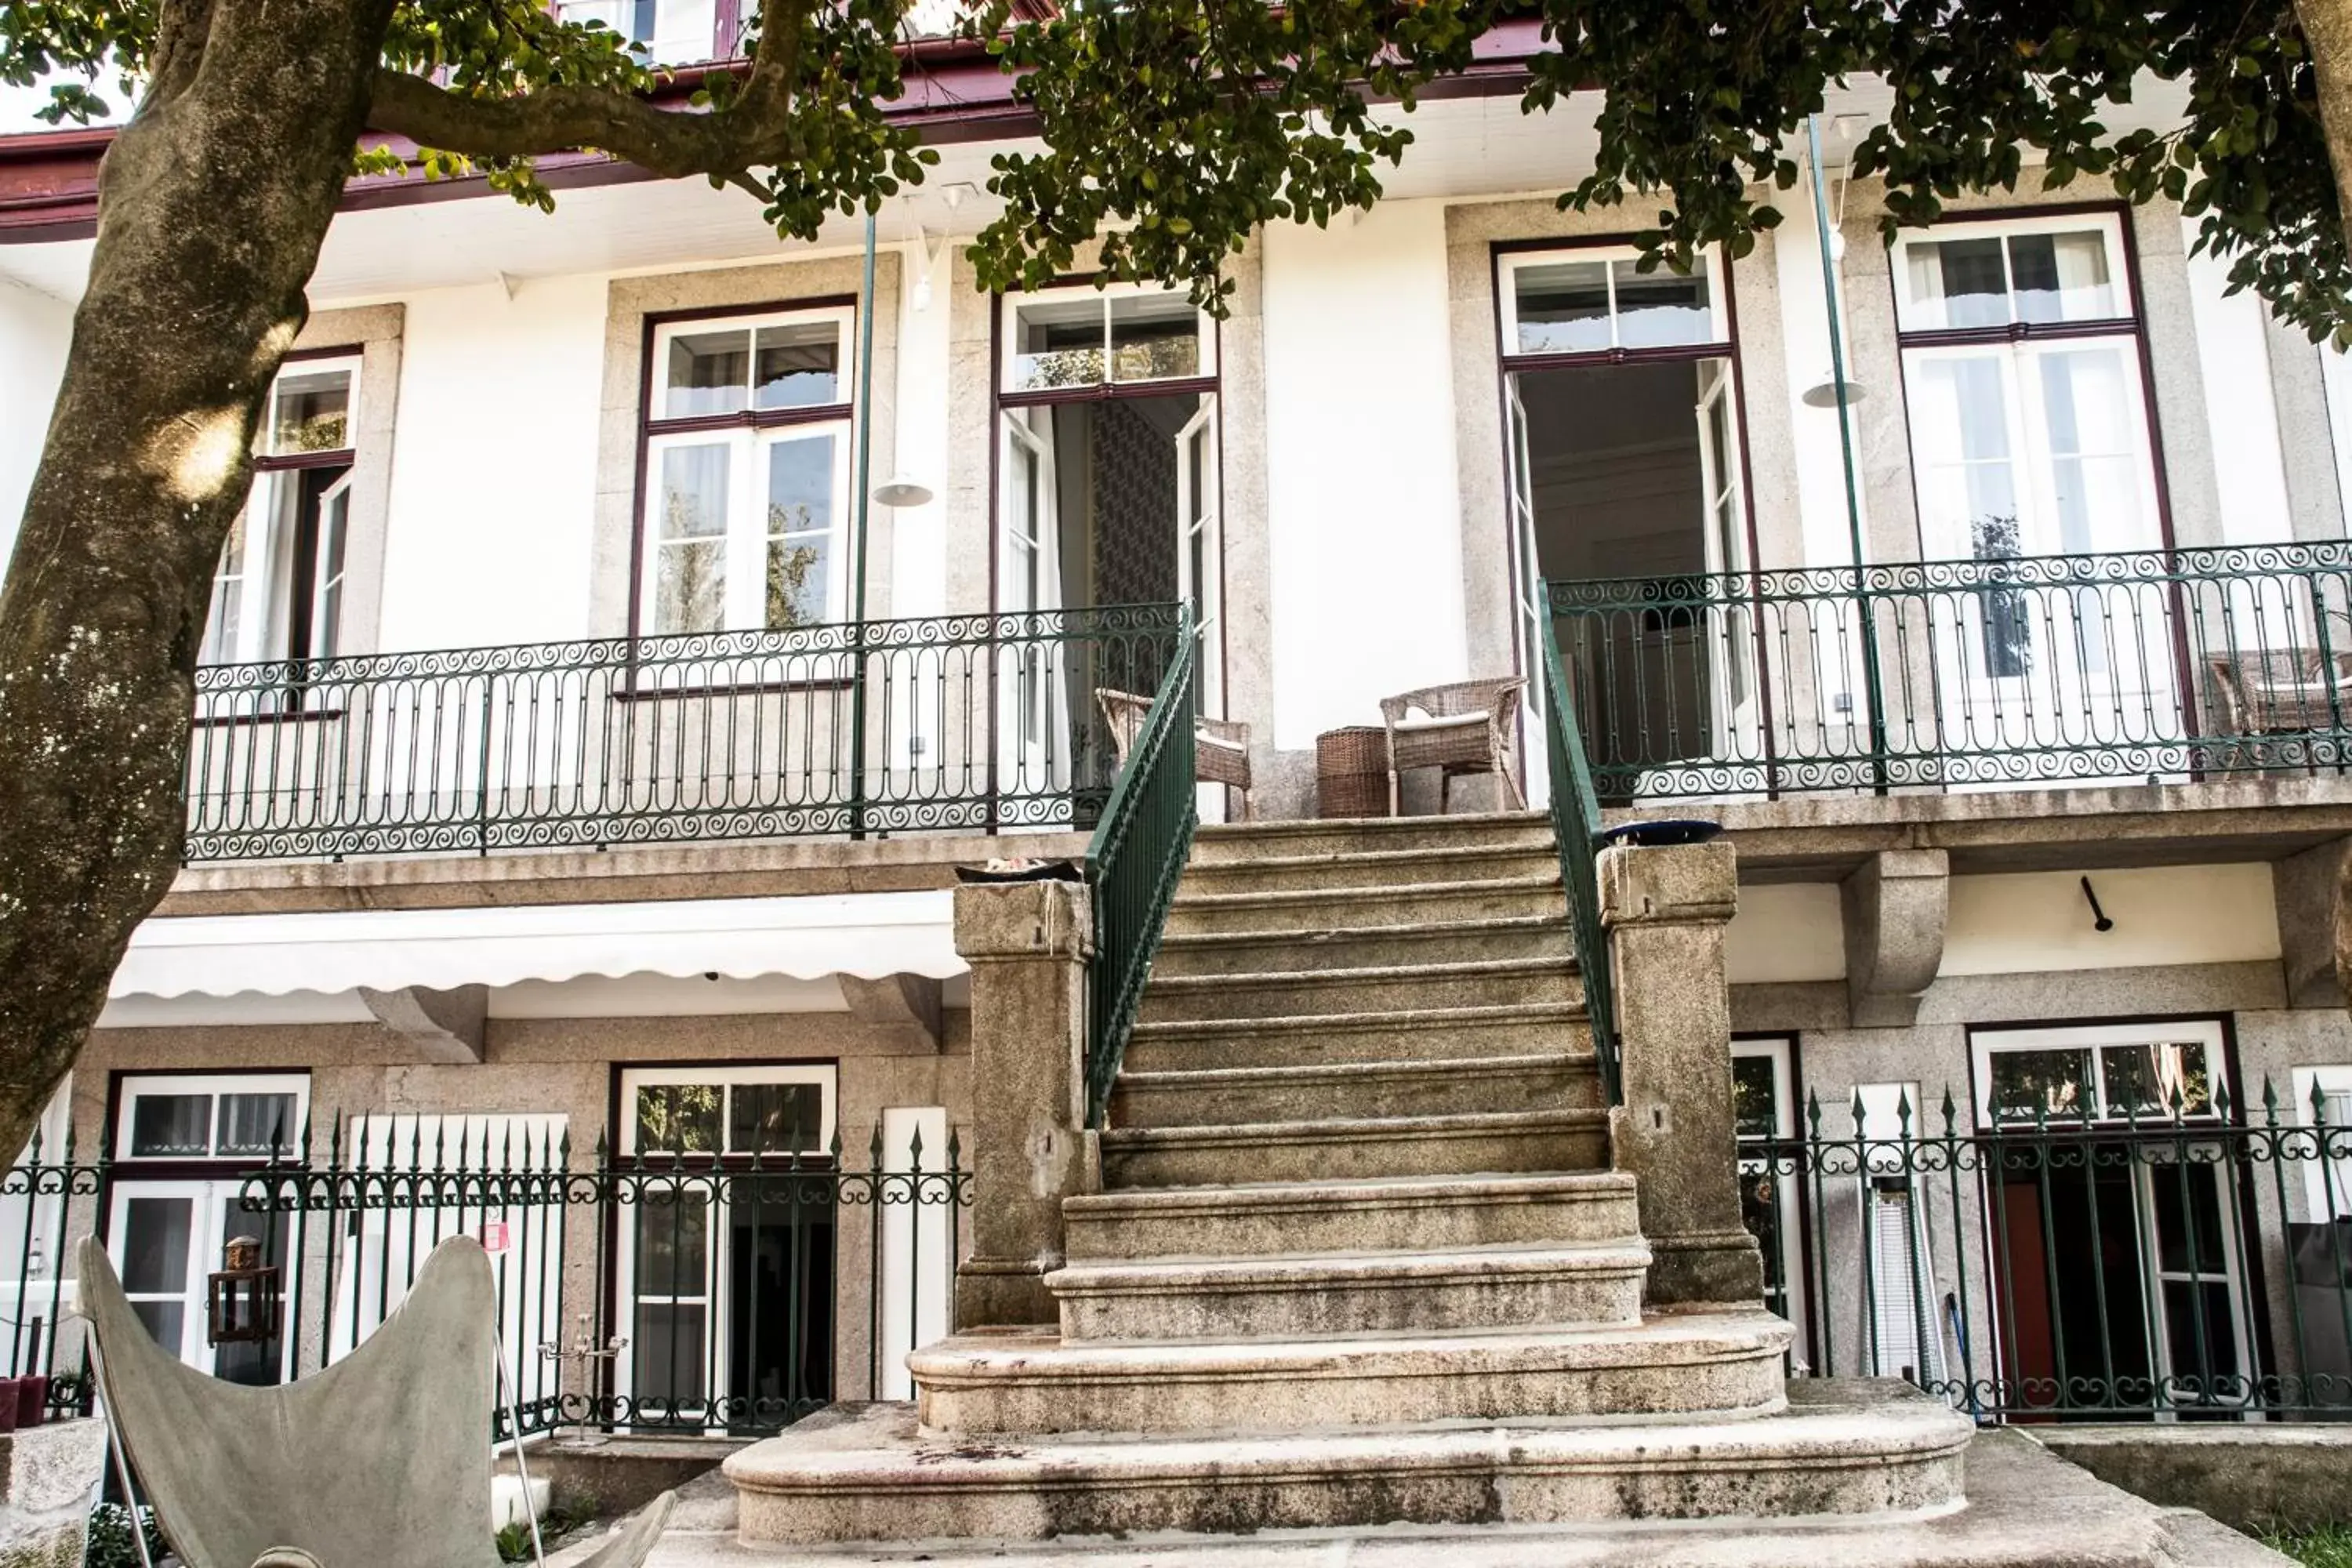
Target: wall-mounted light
<point>2099,920</point>
<point>902,491</point>
<point>1823,394</point>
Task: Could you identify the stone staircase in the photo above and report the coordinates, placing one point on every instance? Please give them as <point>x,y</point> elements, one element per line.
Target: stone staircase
<point>1357,1256</point>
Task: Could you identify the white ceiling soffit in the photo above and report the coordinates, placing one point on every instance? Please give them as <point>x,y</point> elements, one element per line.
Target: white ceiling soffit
<point>865,935</point>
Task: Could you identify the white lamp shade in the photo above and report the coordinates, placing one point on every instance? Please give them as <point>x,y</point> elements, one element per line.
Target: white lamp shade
<point>900,490</point>
<point>1823,394</point>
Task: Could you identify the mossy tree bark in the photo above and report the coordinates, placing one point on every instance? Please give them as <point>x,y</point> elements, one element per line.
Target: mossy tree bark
<point>213,202</point>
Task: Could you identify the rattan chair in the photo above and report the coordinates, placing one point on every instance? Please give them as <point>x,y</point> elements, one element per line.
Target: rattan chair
<point>1467,726</point>
<point>1221,746</point>
<point>2281,692</point>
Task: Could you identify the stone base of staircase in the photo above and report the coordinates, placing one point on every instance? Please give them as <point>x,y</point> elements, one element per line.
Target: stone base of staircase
<point>870,1474</point>
<point>2024,1508</point>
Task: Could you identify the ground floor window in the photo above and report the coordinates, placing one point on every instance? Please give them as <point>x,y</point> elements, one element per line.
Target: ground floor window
<point>1764,1108</point>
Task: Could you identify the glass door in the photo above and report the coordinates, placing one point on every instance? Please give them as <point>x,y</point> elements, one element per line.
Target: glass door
<point>165,1238</point>
<point>1528,608</point>
<point>1726,628</point>
<point>1032,764</point>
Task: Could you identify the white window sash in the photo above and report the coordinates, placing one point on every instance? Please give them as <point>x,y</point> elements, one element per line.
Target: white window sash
<point>1911,308</point>
<point>1205,325</point>
<point>1708,265</point>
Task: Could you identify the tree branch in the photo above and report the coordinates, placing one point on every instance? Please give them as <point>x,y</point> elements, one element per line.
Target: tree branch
<point>752,130</point>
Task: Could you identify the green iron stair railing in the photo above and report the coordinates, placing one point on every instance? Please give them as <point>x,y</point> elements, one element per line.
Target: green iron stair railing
<point>1576,829</point>
<point>1133,865</point>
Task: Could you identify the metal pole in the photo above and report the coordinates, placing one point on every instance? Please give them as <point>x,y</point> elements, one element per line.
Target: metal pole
<point>857,546</point>
<point>1873,694</point>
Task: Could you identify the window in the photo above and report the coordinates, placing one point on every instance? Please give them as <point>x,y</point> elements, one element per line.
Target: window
<point>2029,424</point>
<point>1081,337</point>
<point>720,1111</point>
<point>746,471</point>
<point>2323,1101</point>
<point>1764,1116</point>
<point>2125,1072</point>
<point>278,590</point>
<point>1596,301</point>
<point>247,1118</point>
<point>662,32</point>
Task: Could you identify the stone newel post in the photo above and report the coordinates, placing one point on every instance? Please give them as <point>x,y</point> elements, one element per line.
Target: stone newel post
<point>1665,909</point>
<point>1028,944</point>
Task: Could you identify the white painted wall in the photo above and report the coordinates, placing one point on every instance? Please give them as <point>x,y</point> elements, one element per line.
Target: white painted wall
<point>34,331</point>
<point>2038,922</point>
<point>2026,922</point>
<point>2240,409</point>
<point>1365,511</point>
<point>494,465</point>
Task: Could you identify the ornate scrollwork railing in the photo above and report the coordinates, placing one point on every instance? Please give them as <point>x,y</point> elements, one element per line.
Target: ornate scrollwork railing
<point>948,723</point>
<point>2010,669</point>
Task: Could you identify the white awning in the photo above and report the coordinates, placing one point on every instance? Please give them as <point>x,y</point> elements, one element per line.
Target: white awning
<point>865,935</point>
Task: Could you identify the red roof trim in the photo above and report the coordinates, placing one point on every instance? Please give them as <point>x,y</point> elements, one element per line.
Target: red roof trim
<point>953,92</point>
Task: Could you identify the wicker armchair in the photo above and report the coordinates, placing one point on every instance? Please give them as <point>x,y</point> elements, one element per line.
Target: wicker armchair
<point>1468,727</point>
<point>2281,692</point>
<point>1220,749</point>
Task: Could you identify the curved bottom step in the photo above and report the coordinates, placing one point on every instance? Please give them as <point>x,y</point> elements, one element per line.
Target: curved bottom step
<point>872,1477</point>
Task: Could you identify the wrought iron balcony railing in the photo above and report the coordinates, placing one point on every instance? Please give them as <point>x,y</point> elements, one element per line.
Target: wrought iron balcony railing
<point>2111,669</point>
<point>956,723</point>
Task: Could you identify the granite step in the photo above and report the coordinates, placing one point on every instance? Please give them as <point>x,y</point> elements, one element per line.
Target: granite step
<point>1342,947</point>
<point>1496,1143</point>
<point>1393,1214</point>
<point>1420,1034</point>
<point>1028,1384</point>
<point>1349,1295</point>
<point>1217,843</point>
<point>2024,1507</point>
<point>878,1478</point>
<point>1531,893</point>
<point>1301,993</point>
<point>1214,1097</point>
<point>1389,868</point>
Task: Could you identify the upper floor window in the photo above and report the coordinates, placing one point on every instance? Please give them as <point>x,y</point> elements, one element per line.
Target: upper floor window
<point>2038,275</point>
<point>1570,302</point>
<point>666,32</point>
<point>1060,339</point>
<point>2021,368</point>
<point>278,590</point>
<point>746,466</point>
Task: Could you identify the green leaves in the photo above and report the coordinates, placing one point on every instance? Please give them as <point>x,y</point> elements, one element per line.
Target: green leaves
<point>1172,130</point>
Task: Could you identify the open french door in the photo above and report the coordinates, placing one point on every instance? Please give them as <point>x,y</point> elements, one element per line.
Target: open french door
<point>1528,606</point>
<point>1200,574</point>
<point>1725,627</point>
<point>1032,752</point>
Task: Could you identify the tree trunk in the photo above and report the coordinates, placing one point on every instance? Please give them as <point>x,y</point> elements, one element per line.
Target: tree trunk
<point>213,202</point>
<point>2327,29</point>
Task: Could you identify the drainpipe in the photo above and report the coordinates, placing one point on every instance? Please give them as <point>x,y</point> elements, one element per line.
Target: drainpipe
<point>1873,694</point>
<point>857,546</point>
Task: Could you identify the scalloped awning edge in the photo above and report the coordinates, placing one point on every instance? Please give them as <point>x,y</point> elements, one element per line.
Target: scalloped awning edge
<point>870,935</point>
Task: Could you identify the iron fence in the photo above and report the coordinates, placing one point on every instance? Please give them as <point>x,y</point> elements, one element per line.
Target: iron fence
<point>1133,864</point>
<point>969,723</point>
<point>674,1294</point>
<point>2175,1262</point>
<point>2004,669</point>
